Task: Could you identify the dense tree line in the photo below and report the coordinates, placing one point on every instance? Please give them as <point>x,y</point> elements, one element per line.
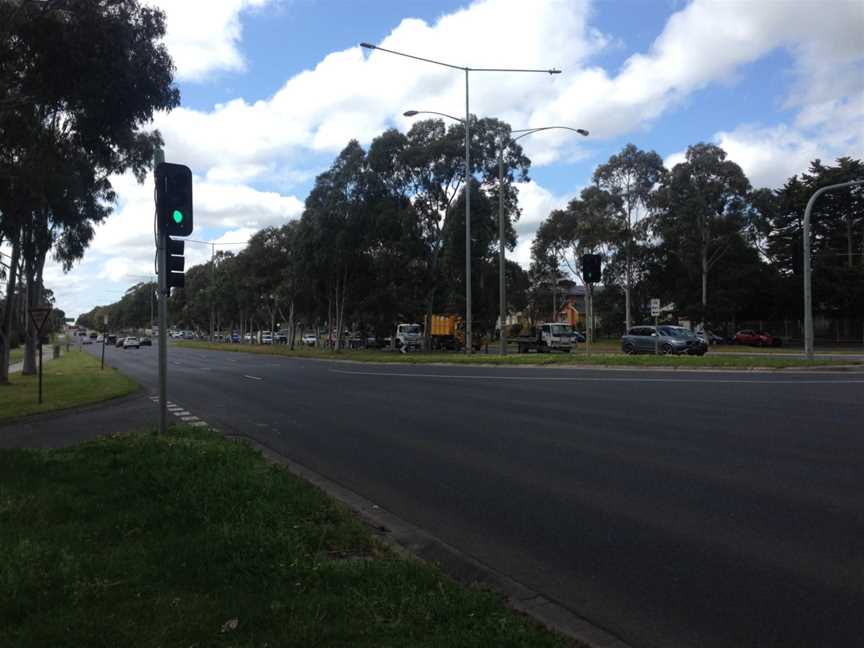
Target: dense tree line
<point>78,81</point>
<point>707,242</point>
<point>381,240</point>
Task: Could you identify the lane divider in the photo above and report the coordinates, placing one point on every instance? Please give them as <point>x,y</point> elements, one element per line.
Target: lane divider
<point>184,415</point>
<point>252,377</point>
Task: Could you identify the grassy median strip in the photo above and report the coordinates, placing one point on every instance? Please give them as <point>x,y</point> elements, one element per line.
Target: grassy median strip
<point>579,357</point>
<point>189,539</point>
<point>73,379</point>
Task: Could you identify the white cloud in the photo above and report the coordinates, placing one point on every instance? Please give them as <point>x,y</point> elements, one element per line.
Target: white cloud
<point>536,202</point>
<point>203,35</point>
<point>280,139</point>
<point>771,155</point>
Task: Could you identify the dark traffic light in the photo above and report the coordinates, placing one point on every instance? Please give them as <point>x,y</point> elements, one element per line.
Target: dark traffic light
<point>591,268</point>
<point>175,263</point>
<point>174,199</point>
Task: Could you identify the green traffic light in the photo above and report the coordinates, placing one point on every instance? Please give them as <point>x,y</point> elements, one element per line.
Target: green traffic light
<point>178,216</point>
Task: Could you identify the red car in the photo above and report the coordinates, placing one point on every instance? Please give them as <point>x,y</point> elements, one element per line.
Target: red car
<point>756,338</point>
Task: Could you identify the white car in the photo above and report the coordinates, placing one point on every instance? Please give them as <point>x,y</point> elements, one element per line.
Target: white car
<point>309,339</point>
<point>131,343</point>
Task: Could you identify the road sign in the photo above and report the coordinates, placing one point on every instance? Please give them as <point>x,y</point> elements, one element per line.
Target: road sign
<point>655,307</point>
<point>39,315</point>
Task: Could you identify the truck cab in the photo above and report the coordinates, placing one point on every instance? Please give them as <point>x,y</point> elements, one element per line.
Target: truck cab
<point>409,337</point>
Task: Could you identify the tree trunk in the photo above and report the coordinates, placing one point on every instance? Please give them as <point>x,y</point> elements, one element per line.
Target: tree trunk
<point>849,237</point>
<point>291,331</point>
<point>628,260</point>
<point>704,283</point>
<point>6,328</point>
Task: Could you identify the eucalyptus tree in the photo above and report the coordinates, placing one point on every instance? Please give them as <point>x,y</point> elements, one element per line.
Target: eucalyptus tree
<point>630,177</point>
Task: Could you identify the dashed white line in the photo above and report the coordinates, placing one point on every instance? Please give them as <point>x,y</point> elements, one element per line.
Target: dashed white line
<point>252,377</point>
<point>190,418</point>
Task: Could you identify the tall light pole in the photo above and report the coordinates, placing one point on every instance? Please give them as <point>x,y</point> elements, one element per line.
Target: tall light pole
<point>808,283</point>
<point>502,296</point>
<point>502,144</point>
<point>466,69</point>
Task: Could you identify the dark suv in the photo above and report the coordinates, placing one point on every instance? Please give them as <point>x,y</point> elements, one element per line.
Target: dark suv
<point>662,339</point>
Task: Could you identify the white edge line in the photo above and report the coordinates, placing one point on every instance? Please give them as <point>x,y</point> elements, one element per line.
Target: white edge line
<point>596,379</point>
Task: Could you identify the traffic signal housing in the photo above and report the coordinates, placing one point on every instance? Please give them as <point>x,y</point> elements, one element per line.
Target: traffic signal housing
<point>175,263</point>
<point>174,199</point>
<point>591,268</point>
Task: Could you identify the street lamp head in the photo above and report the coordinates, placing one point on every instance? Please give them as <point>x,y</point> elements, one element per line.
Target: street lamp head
<point>582,132</point>
<point>554,71</point>
<point>410,113</point>
<point>367,45</point>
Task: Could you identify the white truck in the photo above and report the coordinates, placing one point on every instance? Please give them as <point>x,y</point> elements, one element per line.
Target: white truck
<point>548,337</point>
<point>409,337</point>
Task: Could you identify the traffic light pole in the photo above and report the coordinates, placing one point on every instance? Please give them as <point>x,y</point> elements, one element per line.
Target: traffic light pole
<point>163,319</point>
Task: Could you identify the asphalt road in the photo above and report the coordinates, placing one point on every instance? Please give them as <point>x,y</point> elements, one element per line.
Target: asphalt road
<point>670,508</point>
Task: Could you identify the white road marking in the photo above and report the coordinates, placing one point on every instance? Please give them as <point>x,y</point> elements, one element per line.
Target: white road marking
<point>252,377</point>
<point>190,418</point>
<point>198,423</point>
<point>598,379</point>
<point>181,413</point>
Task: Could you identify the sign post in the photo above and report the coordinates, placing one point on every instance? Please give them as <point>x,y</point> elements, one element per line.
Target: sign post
<point>39,315</point>
<point>655,313</point>
<point>104,335</point>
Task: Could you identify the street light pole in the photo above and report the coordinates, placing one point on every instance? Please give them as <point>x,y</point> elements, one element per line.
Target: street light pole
<point>502,143</point>
<point>466,69</point>
<point>808,283</point>
<point>469,347</point>
<point>502,293</point>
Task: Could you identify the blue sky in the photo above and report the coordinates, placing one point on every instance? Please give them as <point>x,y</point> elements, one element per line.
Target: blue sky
<point>273,89</point>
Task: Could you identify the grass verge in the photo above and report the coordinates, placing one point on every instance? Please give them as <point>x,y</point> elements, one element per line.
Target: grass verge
<point>579,358</point>
<point>189,539</point>
<point>73,379</point>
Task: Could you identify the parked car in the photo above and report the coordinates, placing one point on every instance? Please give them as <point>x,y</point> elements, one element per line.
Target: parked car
<point>310,339</point>
<point>662,339</point>
<point>266,337</point>
<point>112,339</point>
<point>119,342</point>
<point>131,343</point>
<point>578,337</point>
<point>86,340</point>
<point>712,338</point>
<point>756,338</point>
<point>282,336</point>
<point>94,335</point>
<point>146,341</point>
<point>235,338</point>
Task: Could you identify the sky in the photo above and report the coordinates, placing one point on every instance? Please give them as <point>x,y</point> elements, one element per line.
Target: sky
<point>272,90</point>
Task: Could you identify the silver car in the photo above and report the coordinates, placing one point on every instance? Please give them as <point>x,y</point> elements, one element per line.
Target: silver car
<point>662,339</point>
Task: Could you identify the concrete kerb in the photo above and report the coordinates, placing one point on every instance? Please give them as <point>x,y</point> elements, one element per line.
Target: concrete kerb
<point>412,542</point>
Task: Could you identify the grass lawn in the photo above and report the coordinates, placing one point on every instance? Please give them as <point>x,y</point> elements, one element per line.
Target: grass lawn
<point>16,355</point>
<point>193,540</point>
<point>73,379</point>
<point>605,357</point>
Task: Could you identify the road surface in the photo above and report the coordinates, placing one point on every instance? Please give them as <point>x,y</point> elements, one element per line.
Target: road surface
<point>670,508</point>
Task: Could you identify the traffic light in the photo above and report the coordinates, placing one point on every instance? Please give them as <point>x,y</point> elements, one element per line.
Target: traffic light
<point>174,199</point>
<point>175,263</point>
<point>591,268</point>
